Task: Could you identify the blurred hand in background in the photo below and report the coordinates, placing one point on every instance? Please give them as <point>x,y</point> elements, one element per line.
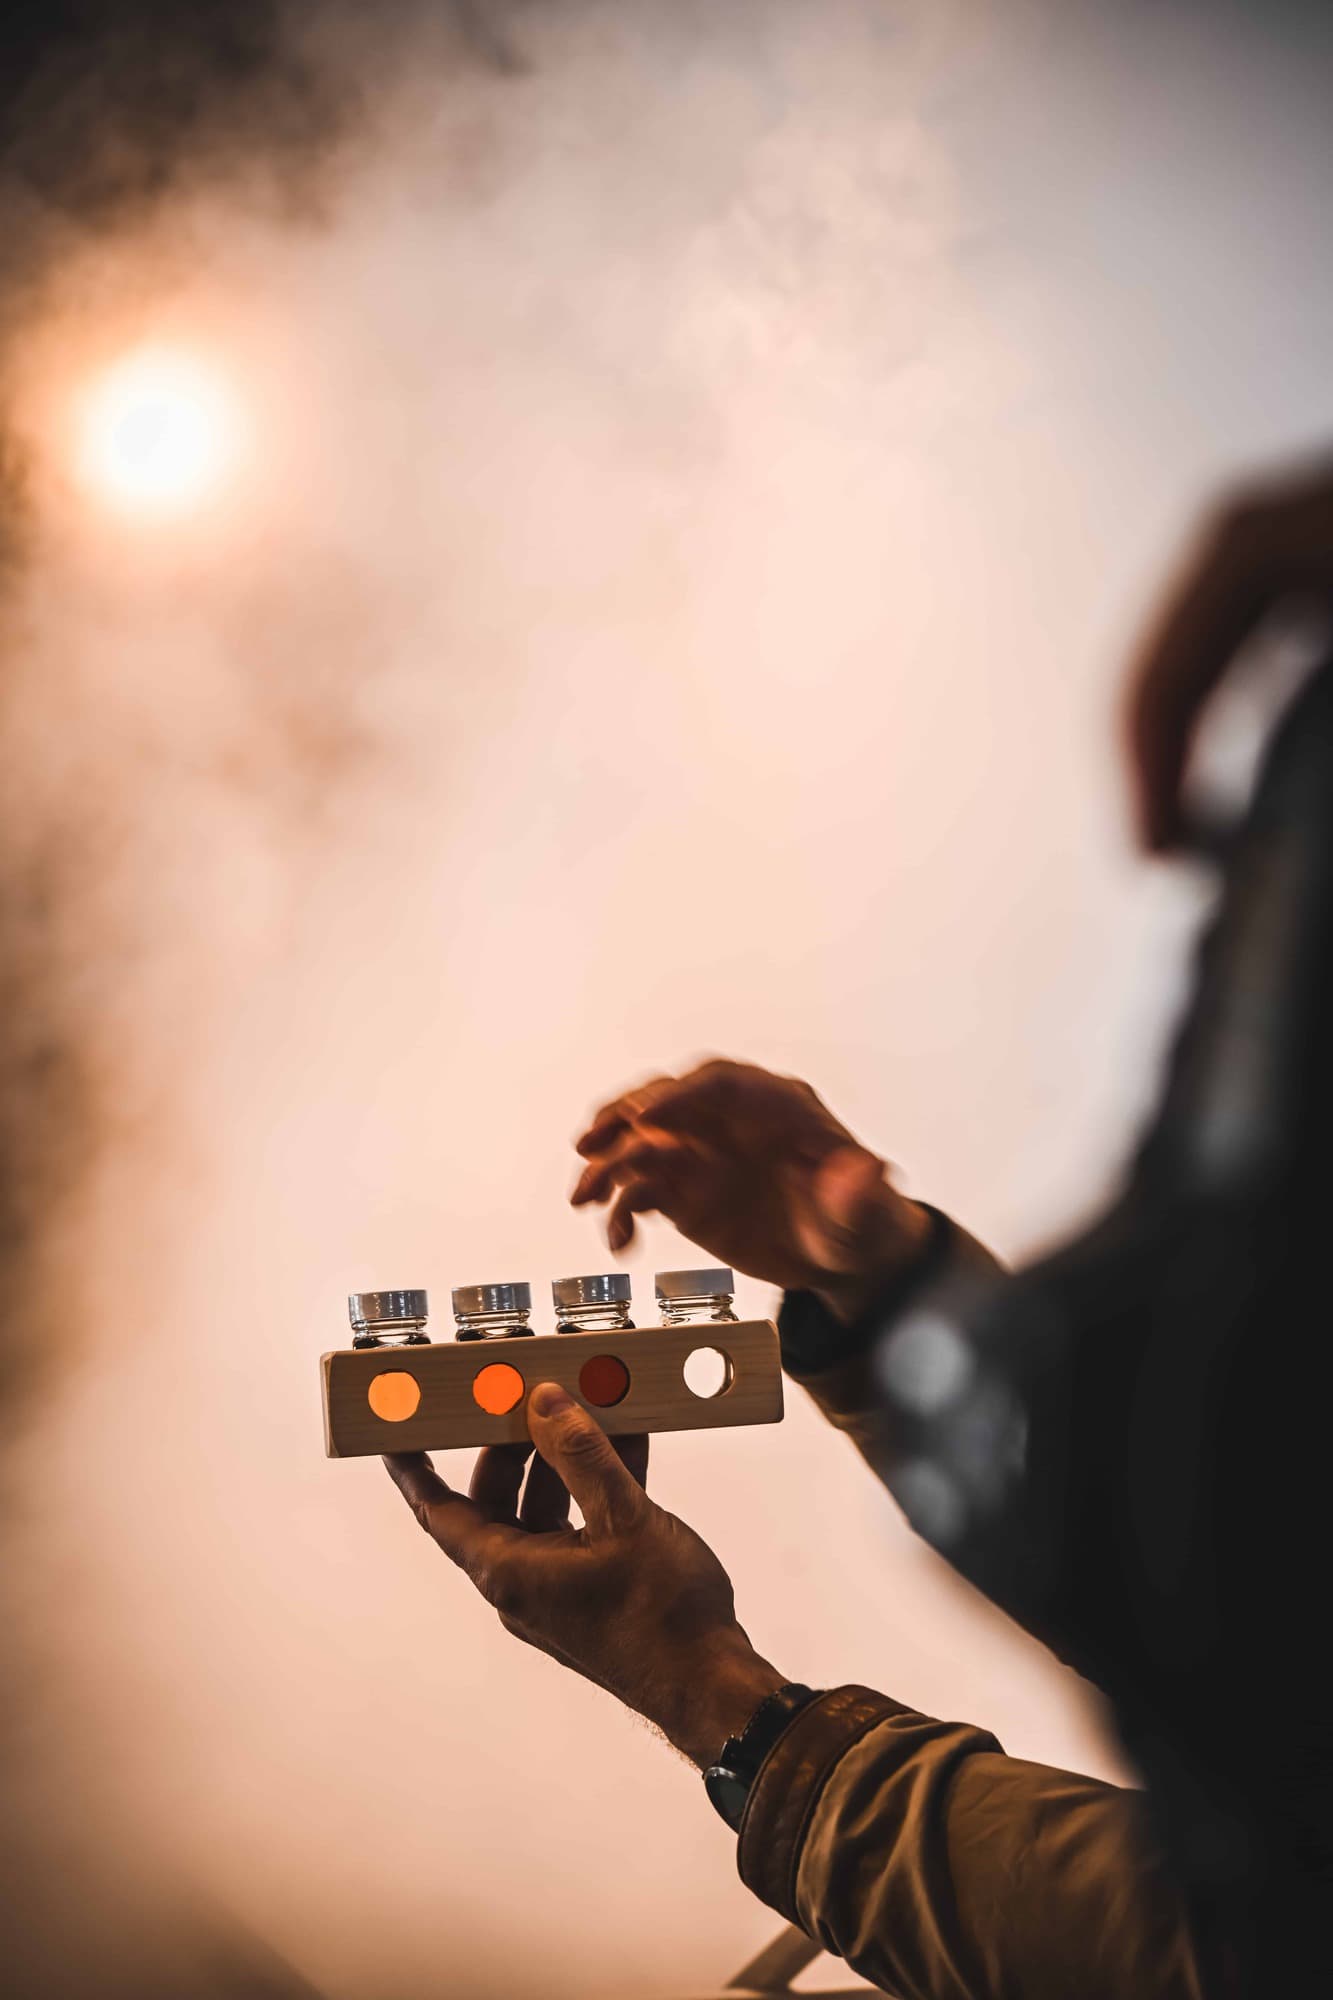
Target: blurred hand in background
<point>1268,547</point>
<point>758,1172</point>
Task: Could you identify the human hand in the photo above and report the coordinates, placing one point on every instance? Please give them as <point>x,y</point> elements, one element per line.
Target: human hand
<point>633,1600</point>
<point>1267,547</point>
<point>758,1171</point>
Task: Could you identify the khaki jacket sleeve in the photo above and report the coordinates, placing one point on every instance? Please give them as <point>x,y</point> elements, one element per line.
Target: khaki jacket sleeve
<point>941,1869</point>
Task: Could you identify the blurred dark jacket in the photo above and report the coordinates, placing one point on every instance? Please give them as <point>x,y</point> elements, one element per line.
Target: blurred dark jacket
<point>1127,1447</point>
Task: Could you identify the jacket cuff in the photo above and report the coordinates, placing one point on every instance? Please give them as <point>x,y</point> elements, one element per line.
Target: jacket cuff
<point>813,1339</point>
<point>786,1791</point>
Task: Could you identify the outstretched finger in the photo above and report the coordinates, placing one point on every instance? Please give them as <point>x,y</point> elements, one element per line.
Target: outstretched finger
<point>544,1509</point>
<point>417,1480</point>
<point>454,1522</point>
<point>497,1477</point>
<point>607,1124</point>
<point>641,1197</point>
<point>637,1153</point>
<point>693,1103</point>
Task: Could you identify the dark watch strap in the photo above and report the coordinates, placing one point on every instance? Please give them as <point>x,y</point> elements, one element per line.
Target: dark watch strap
<point>728,1781</point>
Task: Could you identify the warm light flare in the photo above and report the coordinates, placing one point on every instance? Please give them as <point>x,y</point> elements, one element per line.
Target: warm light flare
<point>158,433</point>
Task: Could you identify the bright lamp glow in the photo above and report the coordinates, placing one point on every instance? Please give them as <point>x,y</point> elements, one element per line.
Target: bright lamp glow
<point>158,433</point>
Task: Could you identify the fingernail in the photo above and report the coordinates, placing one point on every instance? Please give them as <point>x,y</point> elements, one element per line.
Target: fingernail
<point>548,1399</point>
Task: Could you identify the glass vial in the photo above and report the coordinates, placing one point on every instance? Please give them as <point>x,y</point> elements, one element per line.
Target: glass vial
<point>491,1312</point>
<point>683,1296</point>
<point>593,1304</point>
<point>388,1319</point>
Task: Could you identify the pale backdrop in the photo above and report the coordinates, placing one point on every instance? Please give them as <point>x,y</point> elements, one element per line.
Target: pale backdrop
<point>695,500</point>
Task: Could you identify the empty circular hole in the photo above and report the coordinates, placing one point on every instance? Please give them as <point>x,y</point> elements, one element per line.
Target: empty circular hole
<point>604,1381</point>
<point>394,1397</point>
<point>708,1372</point>
<point>497,1389</point>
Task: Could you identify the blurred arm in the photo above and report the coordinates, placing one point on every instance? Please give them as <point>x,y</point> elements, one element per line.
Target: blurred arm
<point>833,1357</point>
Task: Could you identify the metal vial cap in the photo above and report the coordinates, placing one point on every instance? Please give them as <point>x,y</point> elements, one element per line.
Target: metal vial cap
<point>609,1288</point>
<point>492,1298</point>
<point>367,1308</point>
<point>694,1284</point>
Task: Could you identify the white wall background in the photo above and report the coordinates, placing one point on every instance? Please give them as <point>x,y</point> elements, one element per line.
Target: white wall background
<point>698,495</point>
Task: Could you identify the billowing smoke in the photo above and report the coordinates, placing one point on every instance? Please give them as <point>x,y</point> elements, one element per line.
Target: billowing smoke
<point>689,473</point>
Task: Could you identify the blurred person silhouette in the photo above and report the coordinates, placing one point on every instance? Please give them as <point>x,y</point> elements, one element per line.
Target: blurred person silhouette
<point>1123,1445</point>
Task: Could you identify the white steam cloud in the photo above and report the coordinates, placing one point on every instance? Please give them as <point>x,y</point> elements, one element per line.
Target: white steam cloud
<point>701,464</point>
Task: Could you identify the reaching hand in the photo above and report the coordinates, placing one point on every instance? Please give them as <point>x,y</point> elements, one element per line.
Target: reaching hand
<point>1265,549</point>
<point>633,1599</point>
<point>756,1170</point>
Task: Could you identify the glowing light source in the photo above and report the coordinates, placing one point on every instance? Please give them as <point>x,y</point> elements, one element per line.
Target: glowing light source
<point>158,433</point>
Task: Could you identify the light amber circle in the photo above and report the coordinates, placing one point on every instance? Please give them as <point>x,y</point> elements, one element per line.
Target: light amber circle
<point>394,1397</point>
<point>498,1389</point>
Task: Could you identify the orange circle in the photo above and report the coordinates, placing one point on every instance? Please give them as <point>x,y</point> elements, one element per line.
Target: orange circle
<point>394,1397</point>
<point>604,1381</point>
<point>498,1389</point>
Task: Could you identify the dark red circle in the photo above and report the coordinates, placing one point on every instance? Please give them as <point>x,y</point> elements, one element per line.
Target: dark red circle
<point>604,1381</point>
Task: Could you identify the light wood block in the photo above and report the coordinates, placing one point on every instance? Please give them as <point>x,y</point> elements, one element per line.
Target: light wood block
<point>658,1398</point>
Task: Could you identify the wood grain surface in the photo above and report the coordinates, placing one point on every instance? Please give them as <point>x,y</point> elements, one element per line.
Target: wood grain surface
<point>658,1398</point>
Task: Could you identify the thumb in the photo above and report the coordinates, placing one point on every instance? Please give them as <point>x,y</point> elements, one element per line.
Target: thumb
<point>846,1199</point>
<point>576,1447</point>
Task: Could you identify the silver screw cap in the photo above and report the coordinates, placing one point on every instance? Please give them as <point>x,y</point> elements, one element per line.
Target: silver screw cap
<point>492,1298</point>
<point>694,1284</point>
<point>366,1308</point>
<point>609,1288</point>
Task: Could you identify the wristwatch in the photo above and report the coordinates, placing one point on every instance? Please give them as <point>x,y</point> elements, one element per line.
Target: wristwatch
<point>728,1782</point>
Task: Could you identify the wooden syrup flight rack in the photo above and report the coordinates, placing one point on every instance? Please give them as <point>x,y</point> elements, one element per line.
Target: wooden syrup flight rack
<point>437,1395</point>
